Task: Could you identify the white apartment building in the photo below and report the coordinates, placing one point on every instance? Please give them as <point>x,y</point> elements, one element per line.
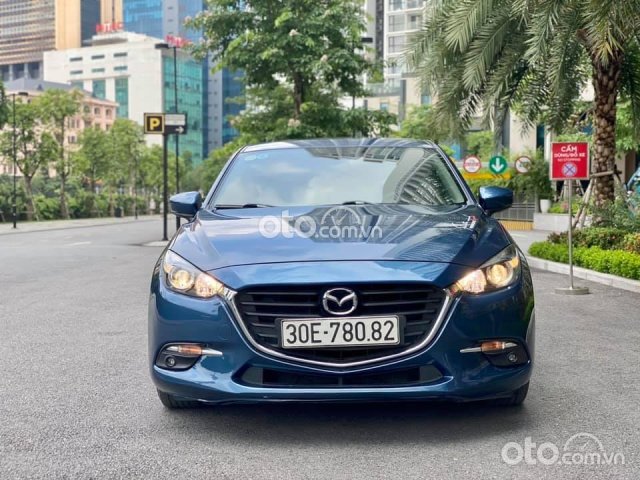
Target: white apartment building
<point>114,67</point>
<point>127,68</point>
<point>402,18</point>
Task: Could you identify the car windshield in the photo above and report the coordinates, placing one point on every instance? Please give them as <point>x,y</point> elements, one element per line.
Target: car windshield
<point>333,176</point>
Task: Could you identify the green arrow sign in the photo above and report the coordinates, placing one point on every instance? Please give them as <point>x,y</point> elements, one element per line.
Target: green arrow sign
<point>498,164</point>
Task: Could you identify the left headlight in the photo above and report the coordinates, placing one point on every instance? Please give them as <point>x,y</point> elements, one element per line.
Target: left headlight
<point>182,277</point>
<point>499,272</point>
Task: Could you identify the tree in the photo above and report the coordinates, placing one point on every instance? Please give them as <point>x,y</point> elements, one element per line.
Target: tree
<point>35,147</point>
<point>421,124</point>
<point>300,42</point>
<point>56,107</point>
<point>4,106</point>
<point>535,56</point>
<point>94,157</point>
<point>125,141</point>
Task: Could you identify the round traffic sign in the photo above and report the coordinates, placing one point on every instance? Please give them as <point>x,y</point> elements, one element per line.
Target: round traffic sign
<point>498,164</point>
<point>569,169</point>
<point>523,164</point>
<point>472,164</point>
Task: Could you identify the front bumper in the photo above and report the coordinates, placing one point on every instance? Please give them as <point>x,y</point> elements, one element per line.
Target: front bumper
<point>506,314</point>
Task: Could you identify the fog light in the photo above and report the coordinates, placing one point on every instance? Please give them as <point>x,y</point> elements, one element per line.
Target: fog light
<point>512,357</point>
<point>182,356</point>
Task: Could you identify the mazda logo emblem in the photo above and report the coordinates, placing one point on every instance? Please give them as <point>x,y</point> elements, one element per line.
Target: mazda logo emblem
<point>340,301</point>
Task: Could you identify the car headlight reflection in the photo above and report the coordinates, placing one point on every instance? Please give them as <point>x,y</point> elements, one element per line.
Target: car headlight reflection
<point>499,272</point>
<point>183,277</point>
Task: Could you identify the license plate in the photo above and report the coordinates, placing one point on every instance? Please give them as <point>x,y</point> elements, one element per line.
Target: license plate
<point>337,332</point>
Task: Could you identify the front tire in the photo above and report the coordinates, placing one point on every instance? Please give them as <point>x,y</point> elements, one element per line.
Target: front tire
<point>173,403</point>
<point>517,397</point>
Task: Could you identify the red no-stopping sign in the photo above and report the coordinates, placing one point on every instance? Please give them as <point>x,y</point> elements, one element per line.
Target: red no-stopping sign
<point>570,161</point>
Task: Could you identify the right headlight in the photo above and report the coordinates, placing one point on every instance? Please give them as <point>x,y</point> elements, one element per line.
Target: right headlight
<point>182,277</point>
<point>499,272</point>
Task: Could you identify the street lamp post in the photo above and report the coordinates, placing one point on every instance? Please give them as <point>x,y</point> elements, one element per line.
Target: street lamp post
<point>166,46</point>
<point>14,152</point>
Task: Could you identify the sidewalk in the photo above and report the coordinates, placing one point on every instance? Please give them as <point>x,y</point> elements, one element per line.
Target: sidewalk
<point>524,239</point>
<point>26,227</point>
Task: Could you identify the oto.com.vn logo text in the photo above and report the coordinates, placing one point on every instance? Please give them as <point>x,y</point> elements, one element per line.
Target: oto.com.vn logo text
<point>580,449</point>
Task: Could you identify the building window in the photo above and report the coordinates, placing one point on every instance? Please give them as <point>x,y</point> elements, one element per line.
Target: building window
<point>396,23</point>
<point>97,70</point>
<point>75,59</point>
<point>122,97</point>
<point>96,111</point>
<point>415,3</point>
<point>120,68</point>
<point>78,85</point>
<point>76,72</point>
<point>414,21</point>
<point>120,54</point>
<point>107,113</point>
<point>384,106</point>
<point>100,89</point>
<point>97,57</point>
<point>397,44</point>
<point>396,5</point>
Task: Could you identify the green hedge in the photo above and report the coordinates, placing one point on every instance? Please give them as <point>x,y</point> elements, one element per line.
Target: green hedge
<point>602,237</point>
<point>616,262</point>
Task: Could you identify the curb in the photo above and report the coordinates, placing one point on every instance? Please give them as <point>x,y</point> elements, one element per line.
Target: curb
<point>70,226</point>
<point>579,272</point>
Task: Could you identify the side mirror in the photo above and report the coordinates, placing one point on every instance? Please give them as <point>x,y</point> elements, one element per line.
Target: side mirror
<point>495,199</point>
<point>186,205</point>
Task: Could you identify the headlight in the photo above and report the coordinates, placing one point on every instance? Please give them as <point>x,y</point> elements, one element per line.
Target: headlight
<point>499,272</point>
<point>182,277</point>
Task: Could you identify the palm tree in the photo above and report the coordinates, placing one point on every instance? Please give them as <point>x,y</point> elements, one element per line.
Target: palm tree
<point>536,56</point>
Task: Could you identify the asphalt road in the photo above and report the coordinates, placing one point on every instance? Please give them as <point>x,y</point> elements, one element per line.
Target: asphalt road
<point>76,400</point>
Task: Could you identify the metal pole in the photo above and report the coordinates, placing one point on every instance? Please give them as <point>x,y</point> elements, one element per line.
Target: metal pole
<point>572,290</point>
<point>570,232</point>
<point>165,188</point>
<point>15,165</point>
<point>175,97</point>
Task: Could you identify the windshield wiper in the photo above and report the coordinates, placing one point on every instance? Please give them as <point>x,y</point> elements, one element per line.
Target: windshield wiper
<point>246,205</point>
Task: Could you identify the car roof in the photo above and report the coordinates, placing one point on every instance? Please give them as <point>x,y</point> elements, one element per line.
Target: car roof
<point>341,143</point>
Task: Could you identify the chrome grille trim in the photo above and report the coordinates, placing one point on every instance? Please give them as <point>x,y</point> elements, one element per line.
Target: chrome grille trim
<point>442,315</point>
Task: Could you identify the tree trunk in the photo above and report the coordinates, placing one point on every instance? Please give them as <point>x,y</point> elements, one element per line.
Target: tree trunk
<point>32,213</point>
<point>64,209</point>
<point>606,82</point>
<point>298,95</point>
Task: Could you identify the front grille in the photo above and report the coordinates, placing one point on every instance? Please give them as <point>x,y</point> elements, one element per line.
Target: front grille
<point>417,306</point>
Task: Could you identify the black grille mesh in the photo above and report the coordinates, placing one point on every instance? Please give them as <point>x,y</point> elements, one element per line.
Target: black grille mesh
<point>417,306</point>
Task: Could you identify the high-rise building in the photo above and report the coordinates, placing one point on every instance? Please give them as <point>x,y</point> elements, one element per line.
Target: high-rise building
<point>402,18</point>
<point>127,68</point>
<point>166,18</point>
<point>29,28</point>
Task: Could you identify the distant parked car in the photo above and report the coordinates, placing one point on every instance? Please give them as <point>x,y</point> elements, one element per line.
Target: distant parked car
<point>341,270</point>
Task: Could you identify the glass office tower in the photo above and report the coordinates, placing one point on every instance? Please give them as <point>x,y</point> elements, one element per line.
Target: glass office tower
<point>144,16</point>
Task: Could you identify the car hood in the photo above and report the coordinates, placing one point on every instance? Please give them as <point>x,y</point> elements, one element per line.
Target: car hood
<point>226,238</point>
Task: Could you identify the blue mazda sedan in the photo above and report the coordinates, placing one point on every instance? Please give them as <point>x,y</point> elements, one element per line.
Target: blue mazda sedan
<point>341,270</point>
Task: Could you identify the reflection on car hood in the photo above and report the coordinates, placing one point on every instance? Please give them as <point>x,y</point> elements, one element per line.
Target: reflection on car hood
<point>458,235</point>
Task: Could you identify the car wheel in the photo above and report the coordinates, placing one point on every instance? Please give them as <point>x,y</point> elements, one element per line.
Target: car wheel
<point>172,402</point>
<point>517,397</point>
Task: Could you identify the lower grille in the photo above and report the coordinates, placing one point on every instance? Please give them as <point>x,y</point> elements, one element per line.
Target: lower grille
<point>417,305</point>
<point>265,377</point>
